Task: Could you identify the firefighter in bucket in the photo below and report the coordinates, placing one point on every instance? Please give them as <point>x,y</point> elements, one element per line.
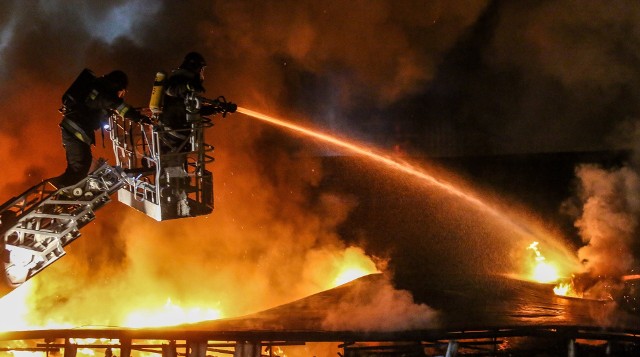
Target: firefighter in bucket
<point>183,85</point>
<point>181,110</point>
<point>86,107</point>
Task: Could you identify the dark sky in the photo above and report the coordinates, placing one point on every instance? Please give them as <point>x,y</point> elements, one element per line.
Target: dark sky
<point>436,77</point>
<point>442,77</point>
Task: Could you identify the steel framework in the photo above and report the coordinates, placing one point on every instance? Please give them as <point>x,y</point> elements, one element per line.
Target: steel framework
<point>548,340</point>
<point>169,178</point>
<point>38,224</point>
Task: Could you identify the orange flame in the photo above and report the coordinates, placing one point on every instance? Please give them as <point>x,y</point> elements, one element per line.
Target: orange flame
<point>335,270</point>
<point>14,309</point>
<point>170,315</point>
<point>354,266</point>
<point>566,289</point>
<point>542,271</point>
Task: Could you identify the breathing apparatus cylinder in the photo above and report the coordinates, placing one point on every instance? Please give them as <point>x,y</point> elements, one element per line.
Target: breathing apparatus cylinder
<point>157,93</point>
<point>79,89</point>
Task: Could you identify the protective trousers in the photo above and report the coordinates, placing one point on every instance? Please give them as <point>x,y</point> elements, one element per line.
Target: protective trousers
<point>79,160</point>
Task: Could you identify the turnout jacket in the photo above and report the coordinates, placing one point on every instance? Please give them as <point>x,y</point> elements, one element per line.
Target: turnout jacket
<point>180,83</point>
<point>84,118</point>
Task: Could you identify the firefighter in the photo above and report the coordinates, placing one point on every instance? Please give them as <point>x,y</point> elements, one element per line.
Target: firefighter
<point>180,110</point>
<point>87,106</point>
<point>187,79</point>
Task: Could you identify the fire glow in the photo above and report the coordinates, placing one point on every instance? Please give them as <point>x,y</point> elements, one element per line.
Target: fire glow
<point>169,315</point>
<point>15,311</point>
<point>543,271</point>
<point>348,275</point>
<point>565,289</point>
<point>352,264</point>
<point>338,272</point>
<point>13,308</point>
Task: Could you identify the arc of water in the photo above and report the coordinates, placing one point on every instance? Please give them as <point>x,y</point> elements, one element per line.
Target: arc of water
<point>402,167</point>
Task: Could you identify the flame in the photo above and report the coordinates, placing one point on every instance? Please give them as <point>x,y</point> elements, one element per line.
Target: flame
<point>543,272</point>
<point>170,315</point>
<point>353,265</point>
<point>568,288</point>
<point>14,309</point>
<point>88,351</point>
<point>565,289</point>
<point>21,349</point>
<point>26,354</point>
<point>350,274</point>
<point>276,351</point>
<point>91,340</point>
<point>335,270</point>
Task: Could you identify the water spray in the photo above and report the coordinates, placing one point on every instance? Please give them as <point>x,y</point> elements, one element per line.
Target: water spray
<point>389,162</point>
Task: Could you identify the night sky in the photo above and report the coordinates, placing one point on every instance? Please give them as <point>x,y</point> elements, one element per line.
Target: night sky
<point>421,78</point>
<point>440,77</point>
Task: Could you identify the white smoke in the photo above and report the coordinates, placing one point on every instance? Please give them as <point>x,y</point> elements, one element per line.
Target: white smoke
<point>609,222</point>
<point>379,307</point>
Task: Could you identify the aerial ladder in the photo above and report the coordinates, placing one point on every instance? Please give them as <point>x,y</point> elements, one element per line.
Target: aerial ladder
<point>160,178</point>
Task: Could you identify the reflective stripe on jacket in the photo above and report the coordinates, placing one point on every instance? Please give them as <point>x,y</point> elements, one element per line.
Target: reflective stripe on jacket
<point>76,130</point>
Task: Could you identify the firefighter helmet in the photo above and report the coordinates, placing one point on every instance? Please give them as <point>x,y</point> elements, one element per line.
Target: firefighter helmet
<point>118,79</point>
<point>193,61</point>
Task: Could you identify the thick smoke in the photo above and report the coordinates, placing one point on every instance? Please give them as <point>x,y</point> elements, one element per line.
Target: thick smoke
<point>609,221</point>
<point>534,76</point>
<point>379,307</point>
<point>608,209</point>
<point>290,57</point>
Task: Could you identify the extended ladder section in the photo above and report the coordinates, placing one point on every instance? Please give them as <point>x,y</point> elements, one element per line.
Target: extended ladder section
<point>159,171</point>
<point>37,225</point>
<point>167,168</point>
